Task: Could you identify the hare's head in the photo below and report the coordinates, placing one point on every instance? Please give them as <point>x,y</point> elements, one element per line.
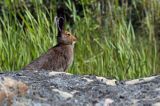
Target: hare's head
<point>66,38</point>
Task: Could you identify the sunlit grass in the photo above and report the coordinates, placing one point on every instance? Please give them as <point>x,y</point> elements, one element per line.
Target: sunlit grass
<point>115,50</point>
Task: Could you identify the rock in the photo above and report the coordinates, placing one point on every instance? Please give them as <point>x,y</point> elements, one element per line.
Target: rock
<point>10,89</point>
<point>63,89</point>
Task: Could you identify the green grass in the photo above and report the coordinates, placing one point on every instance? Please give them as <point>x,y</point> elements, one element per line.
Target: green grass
<point>116,50</point>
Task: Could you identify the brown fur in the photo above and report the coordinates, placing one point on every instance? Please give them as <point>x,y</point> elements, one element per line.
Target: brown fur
<point>57,58</point>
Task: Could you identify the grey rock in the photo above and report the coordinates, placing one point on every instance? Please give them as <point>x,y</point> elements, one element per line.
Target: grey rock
<point>64,89</point>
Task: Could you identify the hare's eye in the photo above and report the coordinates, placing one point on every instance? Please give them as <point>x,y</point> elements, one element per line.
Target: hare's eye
<point>68,34</point>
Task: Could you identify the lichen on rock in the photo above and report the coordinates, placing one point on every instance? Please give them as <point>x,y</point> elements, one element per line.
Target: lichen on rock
<point>58,88</point>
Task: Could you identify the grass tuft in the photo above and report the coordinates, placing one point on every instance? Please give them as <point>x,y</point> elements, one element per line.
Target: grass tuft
<point>124,46</point>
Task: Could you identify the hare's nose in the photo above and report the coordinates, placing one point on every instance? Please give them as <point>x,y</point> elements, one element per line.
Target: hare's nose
<point>75,38</point>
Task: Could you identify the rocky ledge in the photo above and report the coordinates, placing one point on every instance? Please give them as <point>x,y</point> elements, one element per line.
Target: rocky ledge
<point>41,88</point>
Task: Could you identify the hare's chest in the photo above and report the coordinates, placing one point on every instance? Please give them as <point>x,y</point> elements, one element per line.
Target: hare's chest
<point>70,61</point>
<point>69,55</point>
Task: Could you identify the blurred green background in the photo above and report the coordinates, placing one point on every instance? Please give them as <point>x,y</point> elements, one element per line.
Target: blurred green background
<point>116,38</point>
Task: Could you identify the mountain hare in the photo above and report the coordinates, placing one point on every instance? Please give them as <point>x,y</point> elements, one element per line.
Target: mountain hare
<point>59,57</point>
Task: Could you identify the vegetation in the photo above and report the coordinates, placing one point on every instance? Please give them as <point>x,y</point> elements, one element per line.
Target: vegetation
<point>122,43</point>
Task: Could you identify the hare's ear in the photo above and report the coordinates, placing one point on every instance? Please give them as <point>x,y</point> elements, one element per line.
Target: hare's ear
<point>60,25</point>
<point>60,20</point>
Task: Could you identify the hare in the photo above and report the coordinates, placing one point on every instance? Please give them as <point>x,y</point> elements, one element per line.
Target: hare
<point>59,57</point>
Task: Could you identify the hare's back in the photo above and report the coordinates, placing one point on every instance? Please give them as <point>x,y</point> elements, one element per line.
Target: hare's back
<point>55,60</point>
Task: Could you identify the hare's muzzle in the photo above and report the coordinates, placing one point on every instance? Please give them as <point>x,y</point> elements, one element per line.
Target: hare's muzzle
<point>74,39</point>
